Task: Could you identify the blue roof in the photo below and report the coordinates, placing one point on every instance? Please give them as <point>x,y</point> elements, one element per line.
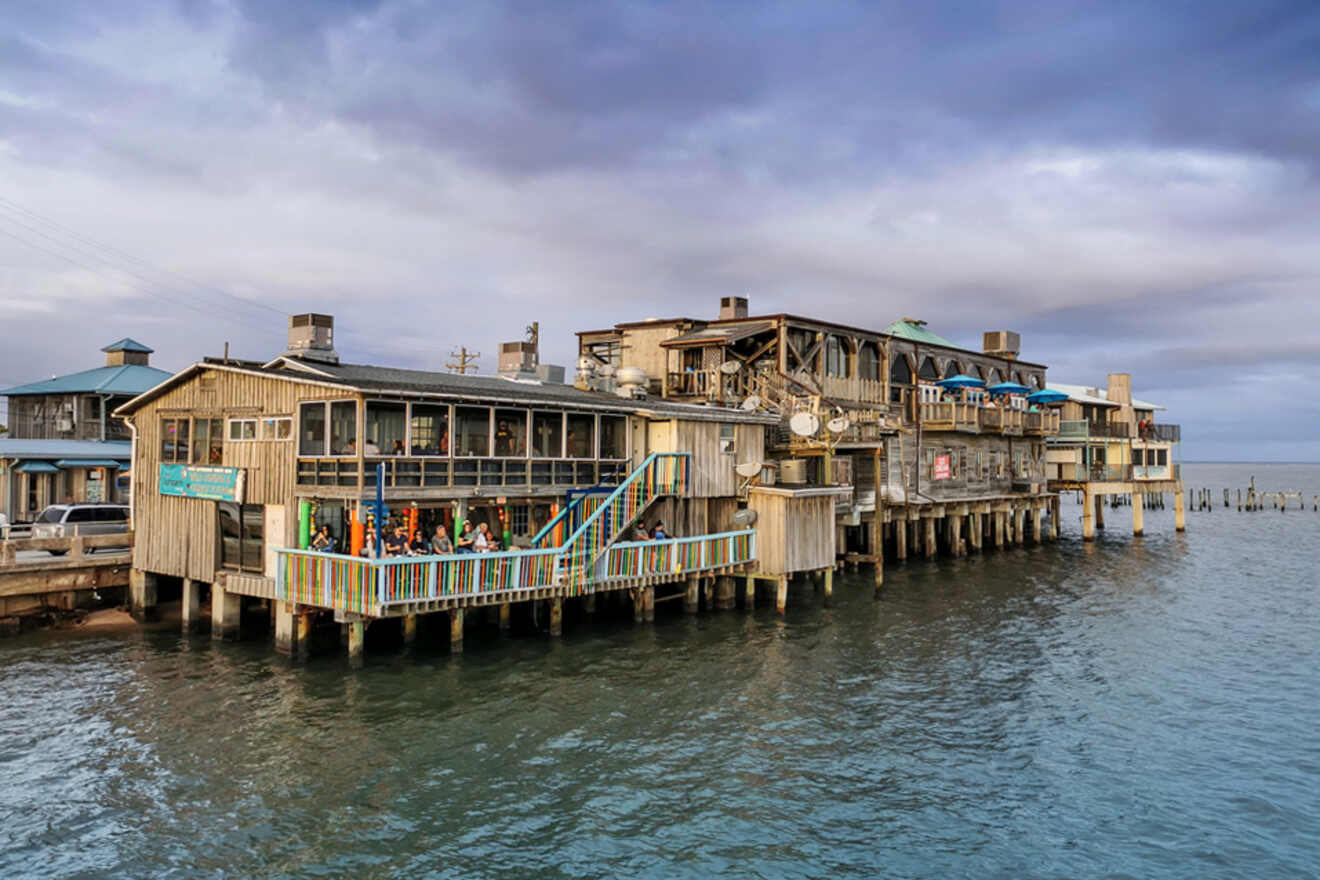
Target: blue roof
<point>127,379</point>
<point>127,344</point>
<point>12,447</point>
<point>37,467</point>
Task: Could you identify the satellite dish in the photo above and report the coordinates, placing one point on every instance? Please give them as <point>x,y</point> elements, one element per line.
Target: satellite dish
<point>748,469</point>
<point>751,403</point>
<point>804,424</point>
<point>744,517</point>
<point>838,425</point>
<point>608,369</point>
<point>728,368</point>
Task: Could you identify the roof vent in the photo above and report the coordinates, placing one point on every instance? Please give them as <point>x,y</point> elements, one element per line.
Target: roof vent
<point>1002,343</point>
<point>127,352</point>
<point>312,338</point>
<point>733,307</point>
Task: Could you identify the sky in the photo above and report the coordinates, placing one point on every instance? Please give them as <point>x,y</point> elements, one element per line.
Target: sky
<point>1132,186</point>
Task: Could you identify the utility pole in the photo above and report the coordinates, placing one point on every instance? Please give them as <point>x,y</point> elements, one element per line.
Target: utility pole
<point>463,361</point>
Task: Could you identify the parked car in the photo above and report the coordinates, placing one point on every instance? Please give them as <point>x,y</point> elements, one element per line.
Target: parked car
<point>68,520</point>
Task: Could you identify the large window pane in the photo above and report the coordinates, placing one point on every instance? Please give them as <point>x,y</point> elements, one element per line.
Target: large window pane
<point>868,362</point>
<point>254,530</point>
<point>548,434</point>
<point>343,428</point>
<point>473,426</point>
<point>201,441</point>
<point>231,535</point>
<point>385,427</point>
<point>581,435</point>
<point>430,429</point>
<point>511,433</point>
<point>311,429</point>
<point>613,437</point>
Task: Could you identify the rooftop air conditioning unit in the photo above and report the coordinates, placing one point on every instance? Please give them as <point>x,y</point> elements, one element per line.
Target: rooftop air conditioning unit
<point>64,425</point>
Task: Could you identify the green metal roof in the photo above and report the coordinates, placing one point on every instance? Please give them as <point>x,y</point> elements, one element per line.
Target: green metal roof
<point>127,344</point>
<point>917,332</point>
<point>127,379</point>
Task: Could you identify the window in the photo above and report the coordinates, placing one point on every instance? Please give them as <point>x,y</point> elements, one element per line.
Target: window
<point>277,428</point>
<point>242,429</point>
<point>614,437</point>
<point>1019,468</point>
<point>548,435</point>
<point>81,515</point>
<point>581,435</point>
<point>929,468</point>
<point>385,428</point>
<point>511,433</point>
<point>928,370</point>
<point>900,373</point>
<point>343,427</point>
<point>242,536</point>
<point>1139,457</point>
<point>726,439</point>
<point>1162,457</point>
<point>208,441</point>
<point>978,472</point>
<point>952,369</point>
<point>311,429</point>
<point>868,362</point>
<point>174,440</point>
<point>955,470</point>
<point>430,429</point>
<point>691,360</point>
<point>472,424</point>
<point>836,357</point>
<point>992,377</point>
<point>520,519</point>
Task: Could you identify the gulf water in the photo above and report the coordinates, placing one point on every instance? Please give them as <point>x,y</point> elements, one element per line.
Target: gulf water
<point>1141,708</point>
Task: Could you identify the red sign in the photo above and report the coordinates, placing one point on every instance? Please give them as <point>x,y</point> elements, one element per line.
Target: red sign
<point>941,467</point>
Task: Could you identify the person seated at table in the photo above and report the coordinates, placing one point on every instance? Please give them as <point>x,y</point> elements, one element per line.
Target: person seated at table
<point>658,533</point>
<point>417,545</point>
<point>396,544</point>
<point>440,543</point>
<point>324,542</point>
<point>398,448</point>
<point>481,540</point>
<point>466,539</point>
<point>640,533</point>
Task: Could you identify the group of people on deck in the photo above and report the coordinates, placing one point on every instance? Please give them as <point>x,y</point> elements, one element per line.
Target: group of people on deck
<point>657,533</point>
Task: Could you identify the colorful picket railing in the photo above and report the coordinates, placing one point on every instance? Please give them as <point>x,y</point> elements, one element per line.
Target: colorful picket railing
<point>326,580</point>
<point>567,521</point>
<point>637,559</point>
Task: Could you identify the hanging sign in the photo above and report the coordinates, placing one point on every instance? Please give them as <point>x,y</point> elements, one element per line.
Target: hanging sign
<point>192,481</point>
<point>941,467</point>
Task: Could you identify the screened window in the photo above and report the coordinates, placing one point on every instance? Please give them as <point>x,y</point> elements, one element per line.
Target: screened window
<point>174,440</point>
<point>581,435</point>
<point>992,377</point>
<point>953,369</point>
<point>900,373</point>
<point>511,433</point>
<point>242,429</point>
<point>473,426</point>
<point>1162,457</point>
<point>430,429</point>
<point>279,428</point>
<point>928,370</point>
<point>868,362</point>
<point>208,441</point>
<point>311,429</point>
<point>242,536</point>
<point>836,357</point>
<point>548,435</point>
<point>343,427</point>
<point>385,428</point>
<point>614,437</point>
<point>1139,457</point>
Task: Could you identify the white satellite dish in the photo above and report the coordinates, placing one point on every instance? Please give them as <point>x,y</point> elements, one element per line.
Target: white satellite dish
<point>744,517</point>
<point>728,368</point>
<point>751,403</point>
<point>838,424</point>
<point>608,369</point>
<point>748,469</point>
<point>804,424</point>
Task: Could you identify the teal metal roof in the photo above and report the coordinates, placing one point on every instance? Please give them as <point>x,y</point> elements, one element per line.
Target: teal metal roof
<point>127,379</point>
<point>17,448</point>
<point>917,332</point>
<point>37,467</point>
<point>87,462</point>
<point>127,344</point>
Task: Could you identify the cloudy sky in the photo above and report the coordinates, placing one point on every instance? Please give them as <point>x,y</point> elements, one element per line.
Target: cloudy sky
<point>1133,186</point>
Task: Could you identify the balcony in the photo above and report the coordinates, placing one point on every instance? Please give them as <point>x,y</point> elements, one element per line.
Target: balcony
<point>1044,423</point>
<point>1161,433</point>
<point>951,415</point>
<point>694,383</point>
<point>403,472</point>
<point>853,390</point>
<point>1082,429</point>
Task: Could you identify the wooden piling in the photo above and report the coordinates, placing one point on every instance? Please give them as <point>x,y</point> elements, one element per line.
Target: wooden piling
<point>691,596</point>
<point>781,594</point>
<point>828,586</point>
<point>749,593</point>
<point>1138,514</point>
<point>556,616</point>
<point>648,604</point>
<point>456,630</point>
<point>931,546</point>
<point>357,634</point>
<point>190,611</point>
<point>1179,515</point>
<point>409,629</point>
<point>900,537</point>
<point>226,613</point>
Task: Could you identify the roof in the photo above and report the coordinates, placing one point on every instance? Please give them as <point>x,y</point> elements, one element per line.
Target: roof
<point>393,381</point>
<point>127,344</point>
<point>915,332</point>
<point>724,333</point>
<point>125,379</point>
<point>13,447</point>
<point>1096,396</point>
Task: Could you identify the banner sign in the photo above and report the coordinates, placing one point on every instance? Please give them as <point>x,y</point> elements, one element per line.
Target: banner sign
<point>195,481</point>
<point>941,467</point>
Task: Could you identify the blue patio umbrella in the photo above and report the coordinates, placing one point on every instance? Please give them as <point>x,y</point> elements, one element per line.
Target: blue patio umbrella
<point>961,381</point>
<point>1046,395</point>
<point>1008,388</point>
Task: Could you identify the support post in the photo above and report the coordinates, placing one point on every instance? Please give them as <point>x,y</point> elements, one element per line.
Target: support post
<point>1037,514</point>
<point>1019,519</point>
<point>725,593</point>
<point>504,616</point>
<point>955,536</point>
<point>930,537</point>
<point>1000,525</point>
<point>1089,504</point>
<point>639,613</point>
<point>1056,511</point>
<point>1179,517</point>
<point>749,593</point>
<point>878,548</point>
<point>286,634</point>
<point>142,594</point>
<point>781,594</point>
<point>1138,515</point>
<point>590,604</point>
<point>900,537</point>
<point>357,638</point>
<point>556,616</point>
<point>226,613</point>
<point>648,604</point>
<point>974,531</point>
<point>1099,511</point>
<point>829,585</point>
<point>409,628</point>
<point>190,611</point>
<point>456,630</point>
<point>691,596</point>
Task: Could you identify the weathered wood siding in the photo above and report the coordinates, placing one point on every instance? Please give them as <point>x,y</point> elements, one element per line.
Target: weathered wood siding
<point>177,536</point>
<point>794,529</point>
<point>713,472</point>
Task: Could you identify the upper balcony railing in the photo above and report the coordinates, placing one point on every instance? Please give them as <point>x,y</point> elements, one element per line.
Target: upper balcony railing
<point>1160,433</point>
<point>853,389</point>
<point>1084,429</point>
<point>403,472</point>
<point>694,383</point>
<point>951,415</point>
<point>1042,423</point>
